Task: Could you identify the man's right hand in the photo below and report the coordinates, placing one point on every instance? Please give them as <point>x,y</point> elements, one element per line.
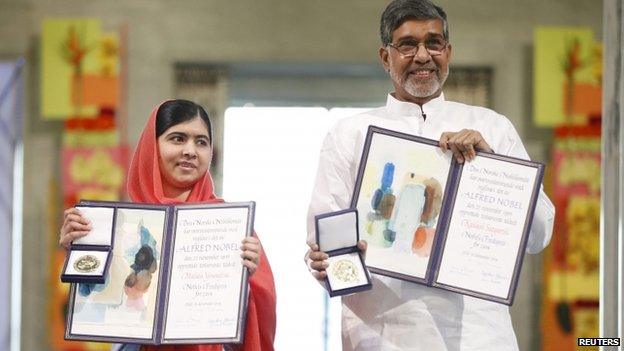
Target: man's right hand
<point>318,262</point>
<point>318,258</point>
<point>74,226</point>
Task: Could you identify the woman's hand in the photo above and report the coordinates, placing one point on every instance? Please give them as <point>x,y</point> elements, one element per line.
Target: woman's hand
<point>251,253</point>
<point>74,226</point>
<point>318,258</point>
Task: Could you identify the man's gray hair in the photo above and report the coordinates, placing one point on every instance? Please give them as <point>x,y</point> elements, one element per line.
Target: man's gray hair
<point>399,11</point>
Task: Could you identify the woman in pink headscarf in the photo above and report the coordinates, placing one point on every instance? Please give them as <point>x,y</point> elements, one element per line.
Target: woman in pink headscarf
<point>170,166</point>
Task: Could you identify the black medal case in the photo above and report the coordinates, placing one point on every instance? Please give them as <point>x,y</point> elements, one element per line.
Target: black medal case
<point>89,257</point>
<point>337,234</point>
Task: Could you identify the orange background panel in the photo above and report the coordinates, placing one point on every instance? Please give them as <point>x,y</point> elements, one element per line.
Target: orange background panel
<point>587,99</point>
<point>99,90</point>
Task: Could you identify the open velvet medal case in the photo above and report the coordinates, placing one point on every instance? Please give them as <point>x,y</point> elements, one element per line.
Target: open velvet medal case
<point>89,257</point>
<point>337,235</point>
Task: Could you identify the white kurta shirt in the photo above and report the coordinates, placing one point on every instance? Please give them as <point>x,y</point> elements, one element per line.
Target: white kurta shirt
<point>399,315</point>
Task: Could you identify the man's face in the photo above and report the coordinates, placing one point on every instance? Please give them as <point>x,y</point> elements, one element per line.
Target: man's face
<point>419,78</point>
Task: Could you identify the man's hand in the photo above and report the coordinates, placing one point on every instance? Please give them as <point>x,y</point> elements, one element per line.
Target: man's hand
<point>319,259</point>
<point>363,245</point>
<point>463,144</point>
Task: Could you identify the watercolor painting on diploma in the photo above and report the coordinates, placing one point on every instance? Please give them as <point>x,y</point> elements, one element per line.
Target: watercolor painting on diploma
<point>399,202</point>
<point>125,306</point>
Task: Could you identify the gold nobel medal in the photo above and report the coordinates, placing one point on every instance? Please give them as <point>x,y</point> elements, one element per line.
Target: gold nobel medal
<point>345,271</point>
<point>86,264</point>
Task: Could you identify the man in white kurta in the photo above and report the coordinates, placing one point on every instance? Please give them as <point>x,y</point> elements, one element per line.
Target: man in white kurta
<point>400,315</point>
<point>396,314</point>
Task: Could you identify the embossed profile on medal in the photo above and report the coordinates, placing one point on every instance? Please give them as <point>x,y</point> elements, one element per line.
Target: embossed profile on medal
<point>346,271</point>
<point>87,263</point>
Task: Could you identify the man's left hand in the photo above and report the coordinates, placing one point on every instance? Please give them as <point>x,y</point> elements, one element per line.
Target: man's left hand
<point>463,144</point>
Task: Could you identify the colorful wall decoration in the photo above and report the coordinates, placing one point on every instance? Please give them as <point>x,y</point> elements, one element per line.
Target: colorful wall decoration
<point>570,302</point>
<point>81,85</point>
<point>568,97</point>
<point>67,54</point>
<point>90,173</point>
<point>567,76</point>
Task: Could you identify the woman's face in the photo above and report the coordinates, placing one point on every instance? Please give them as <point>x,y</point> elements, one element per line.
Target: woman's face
<point>185,154</point>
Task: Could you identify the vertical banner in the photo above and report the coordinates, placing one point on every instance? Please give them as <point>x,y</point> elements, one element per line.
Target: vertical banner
<point>11,100</point>
<point>80,84</point>
<point>568,96</point>
<point>570,305</point>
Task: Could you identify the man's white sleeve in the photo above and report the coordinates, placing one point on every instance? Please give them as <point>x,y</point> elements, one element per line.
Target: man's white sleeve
<point>333,184</point>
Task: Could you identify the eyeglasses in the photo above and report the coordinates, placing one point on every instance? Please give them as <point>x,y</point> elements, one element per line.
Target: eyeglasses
<point>434,46</point>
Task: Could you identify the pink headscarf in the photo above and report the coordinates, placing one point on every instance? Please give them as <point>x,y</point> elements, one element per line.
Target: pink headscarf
<point>144,179</point>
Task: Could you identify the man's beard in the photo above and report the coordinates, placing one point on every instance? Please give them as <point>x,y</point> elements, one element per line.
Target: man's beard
<point>419,88</point>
